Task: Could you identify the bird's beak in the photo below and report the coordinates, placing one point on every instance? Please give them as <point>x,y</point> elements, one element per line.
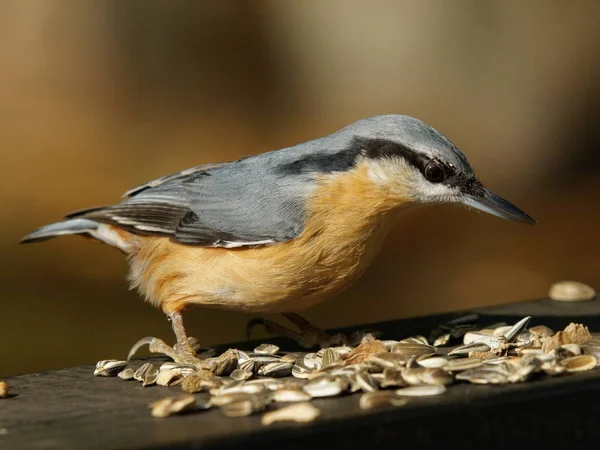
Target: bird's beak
<point>485,200</point>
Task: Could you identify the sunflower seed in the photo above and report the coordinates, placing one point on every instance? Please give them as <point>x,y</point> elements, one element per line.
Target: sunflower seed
<point>291,395</point>
<point>292,357</point>
<point>366,381</point>
<point>392,377</point>
<point>542,331</point>
<point>579,363</point>
<point>240,374</point>
<point>199,381</point>
<point>300,412</point>
<point>442,340</point>
<point>266,349</point>
<point>574,349</point>
<point>147,374</point>
<point>173,405</point>
<point>330,356</point>
<point>435,362</point>
<point>391,360</point>
<point>421,391</point>
<point>126,374</point>
<point>380,399</point>
<point>109,367</point>
<point>300,370</point>
<point>243,388</point>
<point>458,365</point>
<point>323,387</point>
<point>276,369</point>
<point>464,350</point>
<point>248,366</point>
<point>311,361</point>
<point>482,376</point>
<point>179,367</point>
<point>493,342</point>
<point>409,349</point>
<point>571,291</point>
<point>435,376</point>
<point>363,352</point>
<point>3,389</point>
<point>517,329</point>
<point>168,377</point>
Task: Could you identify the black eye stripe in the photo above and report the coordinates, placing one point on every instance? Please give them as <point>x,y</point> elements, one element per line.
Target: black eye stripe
<point>381,148</point>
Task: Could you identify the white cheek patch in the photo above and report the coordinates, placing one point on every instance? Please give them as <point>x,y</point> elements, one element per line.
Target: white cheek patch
<point>434,193</point>
<point>378,175</point>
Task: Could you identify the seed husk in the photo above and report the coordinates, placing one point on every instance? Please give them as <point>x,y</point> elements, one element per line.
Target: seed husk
<point>299,370</point>
<point>249,365</point>
<point>303,412</point>
<point>363,352</point>
<point>493,342</point>
<point>109,367</point>
<point>3,389</point>
<point>168,377</point>
<point>323,387</point>
<point>126,374</point>
<point>579,363</point>
<point>276,369</point>
<point>240,404</point>
<point>435,376</point>
<point>458,365</point>
<point>330,356</point>
<point>291,395</point>
<point>421,391</point>
<point>147,373</point>
<point>435,362</point>
<point>442,340</point>
<point>573,333</point>
<point>392,377</point>
<point>412,349</point>
<point>240,374</point>
<point>173,405</point>
<point>465,350</point>
<point>199,381</point>
<point>391,360</point>
<point>292,357</point>
<point>380,399</point>
<point>366,381</point>
<point>571,291</point>
<point>266,349</point>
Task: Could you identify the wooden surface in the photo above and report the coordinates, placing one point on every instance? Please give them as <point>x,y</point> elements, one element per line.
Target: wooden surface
<point>73,409</point>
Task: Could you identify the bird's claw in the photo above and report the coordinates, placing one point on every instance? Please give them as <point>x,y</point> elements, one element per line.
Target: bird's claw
<point>177,354</point>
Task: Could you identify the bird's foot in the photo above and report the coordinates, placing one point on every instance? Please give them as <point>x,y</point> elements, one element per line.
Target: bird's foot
<point>308,335</point>
<point>184,354</point>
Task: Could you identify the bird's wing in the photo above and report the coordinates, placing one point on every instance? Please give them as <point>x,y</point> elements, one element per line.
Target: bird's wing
<point>181,174</point>
<point>223,208</point>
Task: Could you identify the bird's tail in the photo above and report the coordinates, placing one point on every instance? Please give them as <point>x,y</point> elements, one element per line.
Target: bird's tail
<point>71,226</point>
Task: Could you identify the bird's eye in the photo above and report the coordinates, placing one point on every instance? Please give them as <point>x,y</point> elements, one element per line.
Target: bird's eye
<point>435,173</point>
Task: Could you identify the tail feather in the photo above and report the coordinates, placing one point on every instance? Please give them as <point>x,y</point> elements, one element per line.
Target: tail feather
<point>72,226</point>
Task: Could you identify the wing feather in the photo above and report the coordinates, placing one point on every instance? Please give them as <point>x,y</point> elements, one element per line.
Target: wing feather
<point>230,207</point>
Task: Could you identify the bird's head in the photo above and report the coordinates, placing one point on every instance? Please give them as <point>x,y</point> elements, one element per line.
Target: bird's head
<point>413,161</point>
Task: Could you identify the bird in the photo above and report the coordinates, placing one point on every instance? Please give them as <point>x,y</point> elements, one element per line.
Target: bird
<point>279,231</point>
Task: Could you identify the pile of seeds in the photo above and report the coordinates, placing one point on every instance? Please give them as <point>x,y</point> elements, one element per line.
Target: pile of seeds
<point>385,372</point>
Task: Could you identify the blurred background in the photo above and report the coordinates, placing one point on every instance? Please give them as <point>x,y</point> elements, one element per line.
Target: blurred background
<point>98,97</point>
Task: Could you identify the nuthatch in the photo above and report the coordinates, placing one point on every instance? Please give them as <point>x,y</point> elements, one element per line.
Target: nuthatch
<point>283,230</point>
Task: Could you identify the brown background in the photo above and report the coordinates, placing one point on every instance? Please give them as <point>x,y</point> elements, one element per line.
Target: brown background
<point>97,97</point>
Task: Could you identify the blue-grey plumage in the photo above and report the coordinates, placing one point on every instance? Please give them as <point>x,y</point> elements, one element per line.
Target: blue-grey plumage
<point>260,199</point>
<point>308,218</point>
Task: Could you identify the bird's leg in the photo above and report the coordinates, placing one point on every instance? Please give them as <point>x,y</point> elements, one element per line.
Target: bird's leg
<point>308,335</point>
<point>181,352</point>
